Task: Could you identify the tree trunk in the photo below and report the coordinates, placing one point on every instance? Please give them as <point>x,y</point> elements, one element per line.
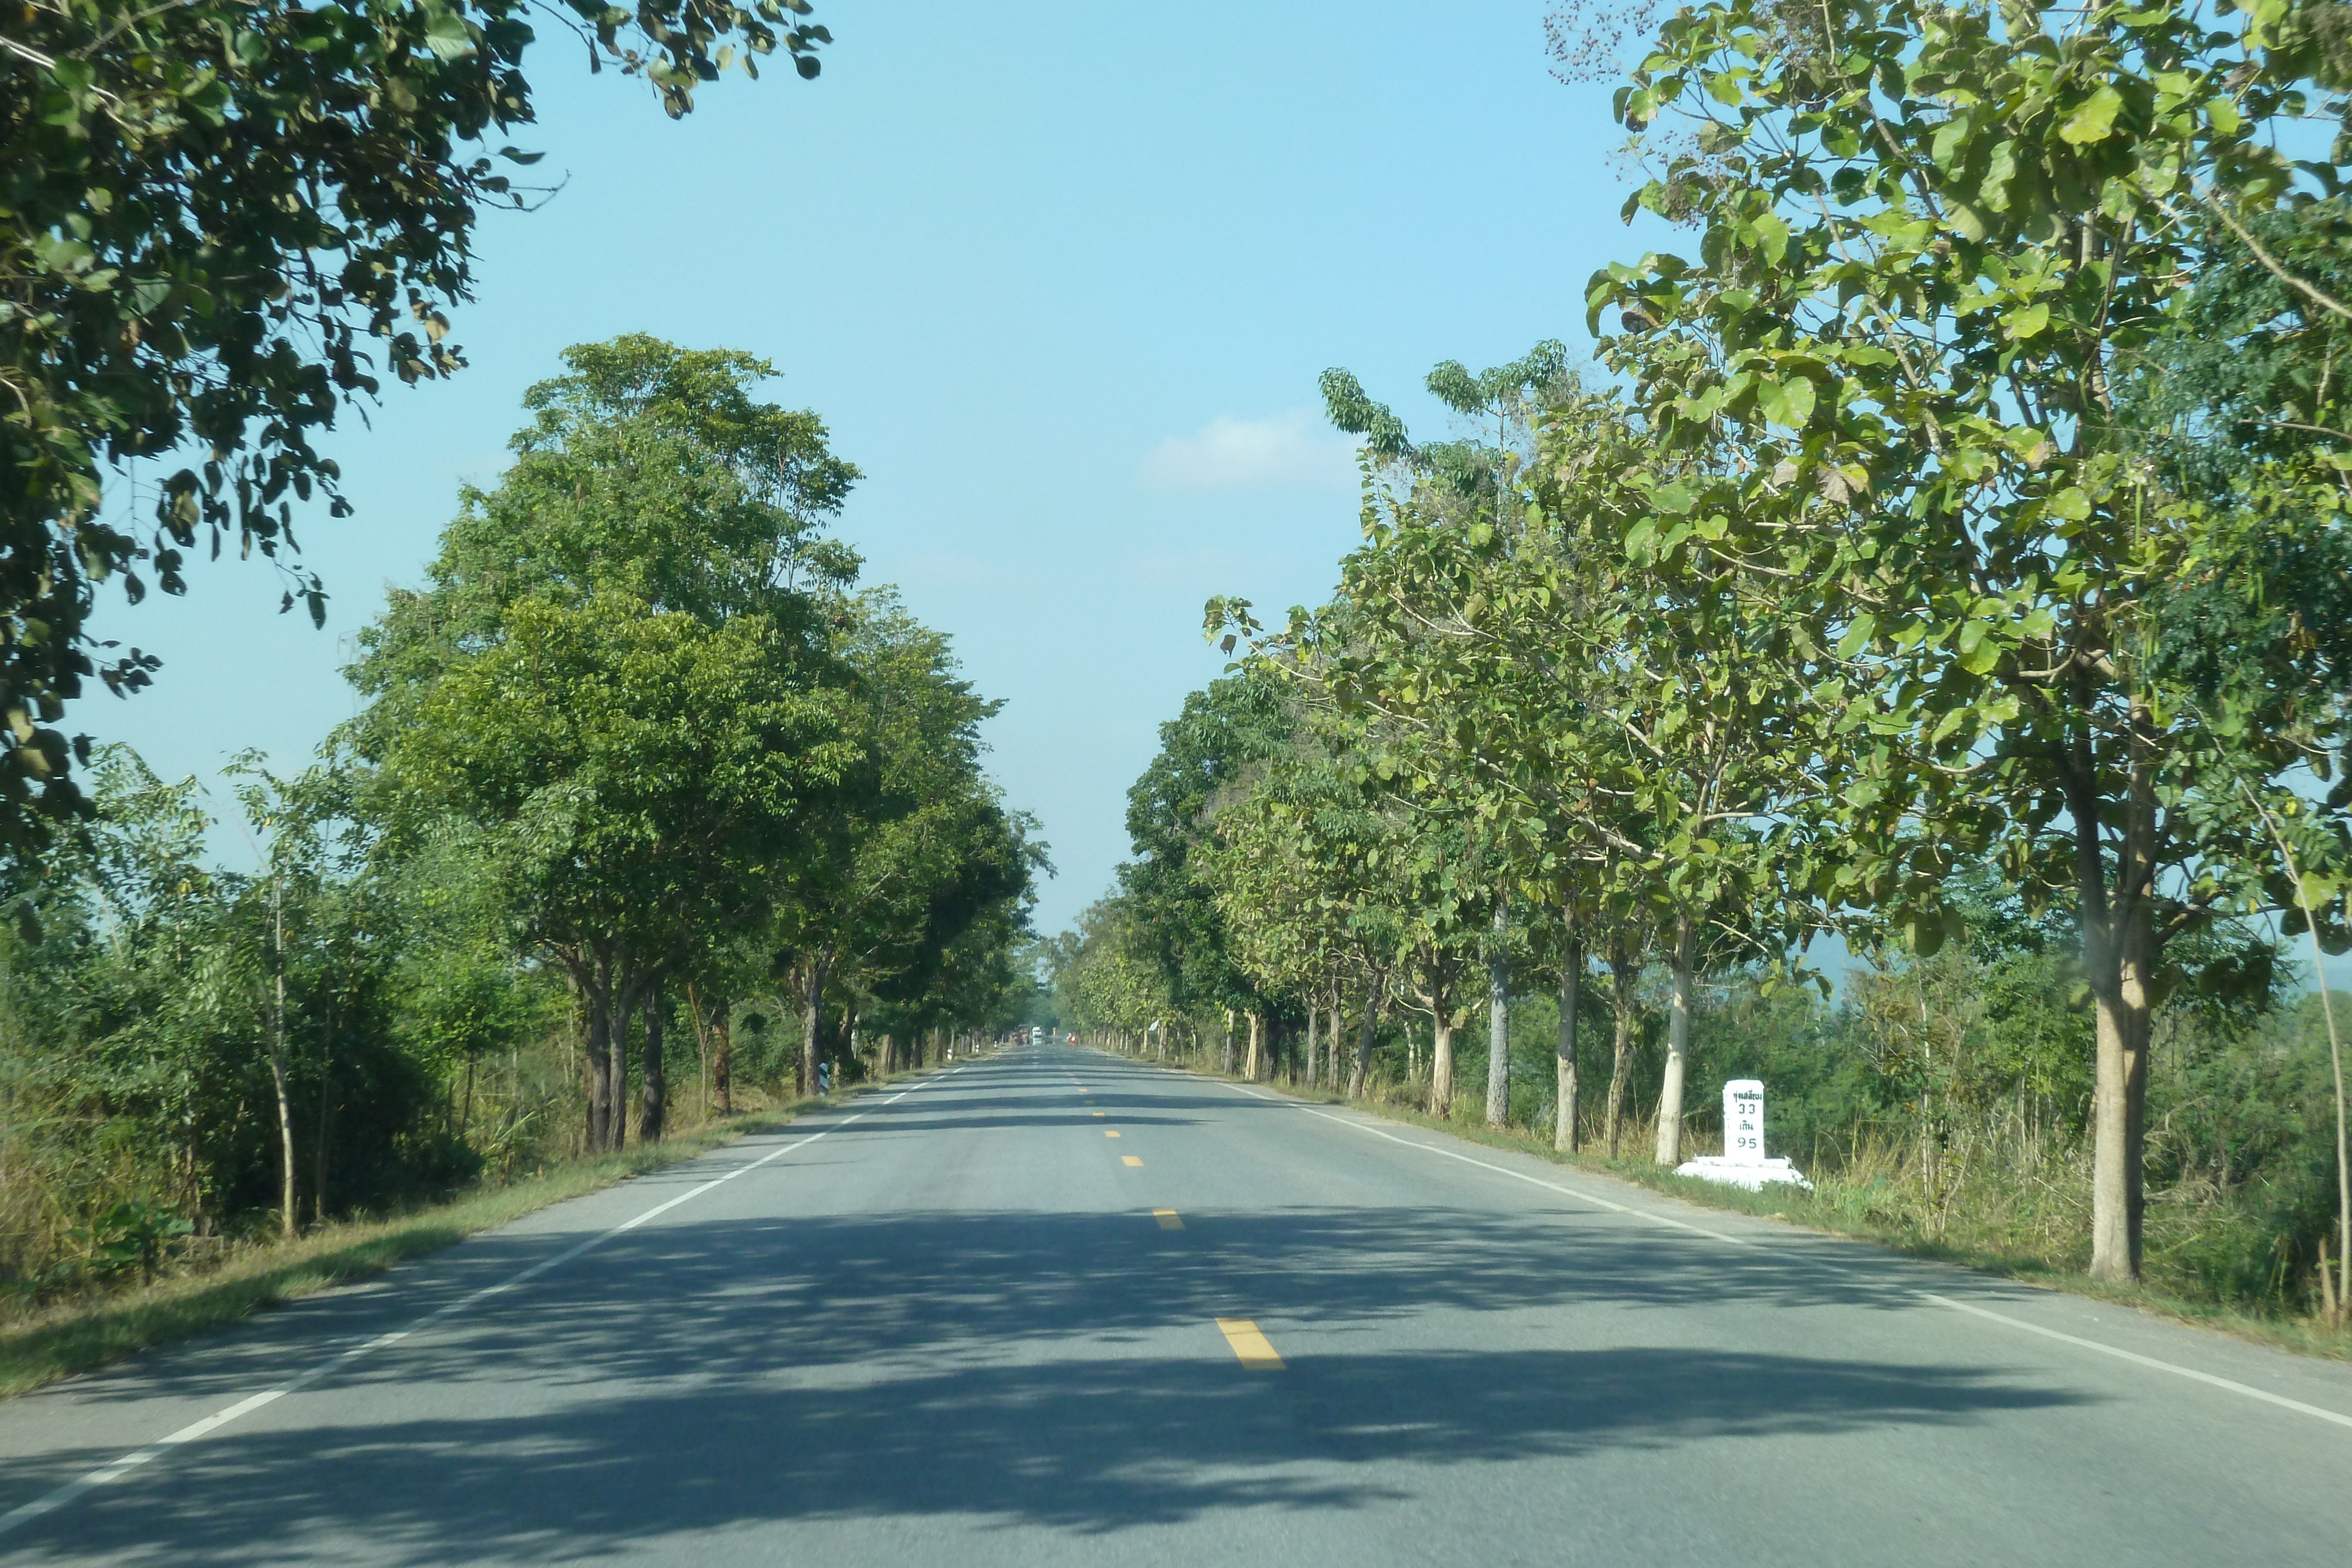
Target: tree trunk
<point>1624,973</point>
<point>1498,1019</point>
<point>1670,1092</point>
<point>722,1065</point>
<point>624,1012</point>
<point>1314,1017</point>
<point>1362,1067</point>
<point>812,978</point>
<point>597,1058</point>
<point>1257,1046</point>
<point>1571,976</point>
<point>1441,1063</point>
<point>2118,955</point>
<point>2119,1102</point>
<point>288,1224</point>
<point>290,1221</point>
<point>653,1107</point>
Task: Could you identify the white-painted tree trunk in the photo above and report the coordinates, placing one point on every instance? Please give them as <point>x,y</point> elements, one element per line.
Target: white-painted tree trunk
<point>1572,976</point>
<point>1670,1092</point>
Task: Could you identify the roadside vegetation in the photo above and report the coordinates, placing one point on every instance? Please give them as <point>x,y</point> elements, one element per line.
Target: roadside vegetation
<point>651,818</point>
<point>81,1331</point>
<point>1909,668</point>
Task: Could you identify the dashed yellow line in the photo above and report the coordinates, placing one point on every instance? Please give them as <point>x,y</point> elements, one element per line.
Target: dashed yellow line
<point>1094,1113</point>
<point>1111,1132</point>
<point>1130,1160</point>
<point>1168,1219</point>
<point>1255,1351</point>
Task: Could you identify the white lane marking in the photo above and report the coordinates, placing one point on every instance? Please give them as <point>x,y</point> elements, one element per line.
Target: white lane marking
<point>2131,1356</point>
<point>1581,1197</point>
<point>2194,1375</point>
<point>26,1513</point>
<point>1539,1181</point>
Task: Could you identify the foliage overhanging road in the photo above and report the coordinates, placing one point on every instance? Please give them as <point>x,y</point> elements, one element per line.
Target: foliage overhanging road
<point>966,1323</point>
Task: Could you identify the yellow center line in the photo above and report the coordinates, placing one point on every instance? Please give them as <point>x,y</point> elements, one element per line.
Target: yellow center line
<point>1251,1346</point>
<point>1168,1219</point>
<point>1094,1113</point>
<point>1130,1160</point>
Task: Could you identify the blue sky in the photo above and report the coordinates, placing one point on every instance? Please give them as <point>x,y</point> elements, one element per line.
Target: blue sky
<point>1060,280</point>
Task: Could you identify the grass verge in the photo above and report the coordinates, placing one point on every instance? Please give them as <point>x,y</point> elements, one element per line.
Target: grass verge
<point>91,1332</point>
<point>1821,1212</point>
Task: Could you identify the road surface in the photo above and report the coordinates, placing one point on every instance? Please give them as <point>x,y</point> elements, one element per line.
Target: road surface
<point>1056,1307</point>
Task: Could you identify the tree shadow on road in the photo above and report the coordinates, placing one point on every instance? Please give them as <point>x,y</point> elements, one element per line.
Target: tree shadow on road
<point>1044,1368</point>
<point>1084,1445</point>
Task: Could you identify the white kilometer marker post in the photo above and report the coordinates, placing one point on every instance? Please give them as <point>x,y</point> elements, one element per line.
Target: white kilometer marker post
<point>1742,1162</point>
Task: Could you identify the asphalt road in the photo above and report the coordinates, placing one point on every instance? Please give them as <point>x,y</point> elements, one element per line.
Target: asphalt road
<point>1055,1307</point>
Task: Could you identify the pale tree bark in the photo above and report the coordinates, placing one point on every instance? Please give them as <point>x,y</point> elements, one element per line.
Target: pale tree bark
<point>1441,1059</point>
<point>2119,951</point>
<point>1362,1066</point>
<point>1624,973</point>
<point>1314,1016</point>
<point>1572,976</point>
<point>1670,1091</point>
<point>1498,1019</point>
<point>1257,1046</point>
<point>1225,1062</point>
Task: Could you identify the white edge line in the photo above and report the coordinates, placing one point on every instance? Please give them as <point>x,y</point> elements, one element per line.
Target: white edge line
<point>27,1512</point>
<point>2132,1355</point>
<point>2194,1375</point>
<point>1581,1197</point>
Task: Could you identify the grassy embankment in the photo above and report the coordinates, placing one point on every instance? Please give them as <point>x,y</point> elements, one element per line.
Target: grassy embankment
<point>1847,1203</point>
<point>89,1332</point>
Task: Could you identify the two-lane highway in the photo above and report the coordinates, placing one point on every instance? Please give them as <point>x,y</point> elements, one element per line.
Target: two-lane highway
<point>1057,1307</point>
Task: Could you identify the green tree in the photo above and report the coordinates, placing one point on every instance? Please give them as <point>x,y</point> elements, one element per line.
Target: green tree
<point>918,850</point>
<point>211,212</point>
<point>618,682</point>
<point>1931,244</point>
<point>1209,755</point>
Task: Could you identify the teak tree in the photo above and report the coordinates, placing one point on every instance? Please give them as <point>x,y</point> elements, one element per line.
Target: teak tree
<point>1930,242</point>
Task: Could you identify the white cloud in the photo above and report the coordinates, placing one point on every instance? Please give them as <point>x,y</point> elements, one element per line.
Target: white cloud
<point>1288,451</point>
